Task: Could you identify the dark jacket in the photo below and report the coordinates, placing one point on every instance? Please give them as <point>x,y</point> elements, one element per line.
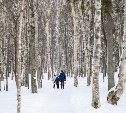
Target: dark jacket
<point>62,77</point>
<point>57,80</point>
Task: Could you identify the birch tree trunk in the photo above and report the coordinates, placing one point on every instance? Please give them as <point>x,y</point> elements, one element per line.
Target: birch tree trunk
<point>19,58</point>
<point>32,50</point>
<point>96,55</point>
<point>7,20</point>
<point>87,40</point>
<point>75,45</point>
<point>115,95</point>
<point>48,50</point>
<point>109,25</point>
<point>48,35</point>
<point>26,52</point>
<point>37,44</point>
<point>1,57</point>
<point>58,38</point>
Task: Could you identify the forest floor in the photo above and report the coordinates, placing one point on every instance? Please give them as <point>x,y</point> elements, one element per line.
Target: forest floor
<point>69,100</point>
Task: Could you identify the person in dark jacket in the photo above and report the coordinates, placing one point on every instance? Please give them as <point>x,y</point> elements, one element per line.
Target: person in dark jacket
<point>57,82</point>
<point>62,78</point>
<point>54,78</point>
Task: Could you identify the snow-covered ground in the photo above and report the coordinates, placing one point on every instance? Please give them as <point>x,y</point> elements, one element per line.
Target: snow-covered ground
<point>69,100</point>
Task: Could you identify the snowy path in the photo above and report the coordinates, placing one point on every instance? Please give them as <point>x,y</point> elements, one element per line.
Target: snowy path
<point>68,100</point>
<point>50,100</point>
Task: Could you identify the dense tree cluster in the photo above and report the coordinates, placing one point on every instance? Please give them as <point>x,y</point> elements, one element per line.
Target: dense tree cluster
<point>81,37</point>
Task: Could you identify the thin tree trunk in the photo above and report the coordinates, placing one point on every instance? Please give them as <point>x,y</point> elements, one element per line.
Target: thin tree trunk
<point>96,56</point>
<point>48,49</point>
<point>104,67</point>
<point>26,52</point>
<point>19,58</point>
<point>115,95</point>
<point>108,27</point>
<point>75,45</point>
<point>32,50</point>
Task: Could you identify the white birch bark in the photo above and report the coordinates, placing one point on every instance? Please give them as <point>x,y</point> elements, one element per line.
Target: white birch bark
<point>48,49</point>
<point>75,45</point>
<point>1,22</point>
<point>86,39</point>
<point>26,51</point>
<point>37,56</point>
<point>87,28</point>
<point>19,59</point>
<point>114,96</point>
<point>96,55</point>
<point>32,49</point>
<point>58,38</point>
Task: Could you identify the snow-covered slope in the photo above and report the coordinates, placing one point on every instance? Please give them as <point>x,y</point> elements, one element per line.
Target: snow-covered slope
<point>69,100</point>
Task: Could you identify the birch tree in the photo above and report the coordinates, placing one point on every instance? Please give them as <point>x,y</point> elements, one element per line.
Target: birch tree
<point>19,58</point>
<point>37,56</point>
<point>48,41</point>
<point>96,55</point>
<point>85,7</point>
<point>108,26</point>
<point>115,95</point>
<point>32,49</point>
<point>76,40</point>
<point>58,36</point>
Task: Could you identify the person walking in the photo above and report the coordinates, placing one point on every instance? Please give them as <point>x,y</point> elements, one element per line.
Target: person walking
<point>53,79</point>
<point>62,78</point>
<point>57,82</point>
